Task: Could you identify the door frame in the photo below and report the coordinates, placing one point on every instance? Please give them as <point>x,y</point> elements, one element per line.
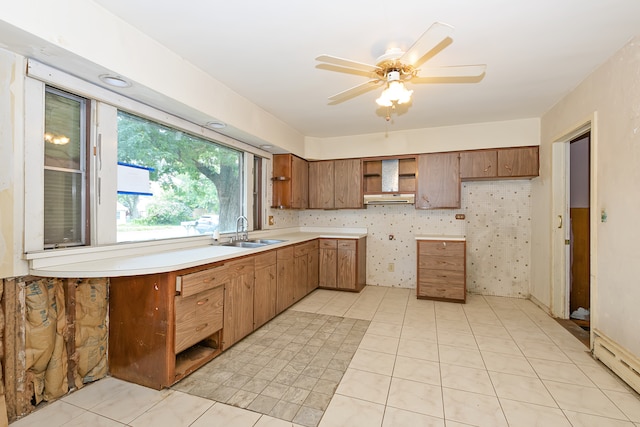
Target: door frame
<point>560,265</point>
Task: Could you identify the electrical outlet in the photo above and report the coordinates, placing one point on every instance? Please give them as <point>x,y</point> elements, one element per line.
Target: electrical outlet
<point>271,220</point>
<point>391,267</point>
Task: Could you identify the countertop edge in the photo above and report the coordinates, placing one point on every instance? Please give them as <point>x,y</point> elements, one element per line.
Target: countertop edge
<point>176,259</point>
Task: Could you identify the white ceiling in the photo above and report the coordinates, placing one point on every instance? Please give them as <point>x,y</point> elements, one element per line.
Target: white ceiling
<point>536,52</point>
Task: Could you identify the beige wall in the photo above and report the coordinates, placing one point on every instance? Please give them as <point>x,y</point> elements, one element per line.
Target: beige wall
<point>612,95</point>
<point>447,138</point>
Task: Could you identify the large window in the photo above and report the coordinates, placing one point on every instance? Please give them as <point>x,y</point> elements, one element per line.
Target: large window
<point>195,184</point>
<point>65,171</point>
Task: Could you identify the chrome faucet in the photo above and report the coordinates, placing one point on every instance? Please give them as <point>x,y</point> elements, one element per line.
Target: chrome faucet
<point>242,233</point>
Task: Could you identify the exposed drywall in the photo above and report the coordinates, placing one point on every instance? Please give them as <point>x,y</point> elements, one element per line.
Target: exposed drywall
<point>613,91</point>
<point>429,140</point>
<point>11,164</point>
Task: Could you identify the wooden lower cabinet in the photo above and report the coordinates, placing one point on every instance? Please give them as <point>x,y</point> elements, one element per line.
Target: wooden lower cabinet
<point>442,270</point>
<point>265,288</point>
<point>285,278</point>
<point>305,259</point>
<point>238,301</point>
<point>342,264</point>
<point>164,326</point>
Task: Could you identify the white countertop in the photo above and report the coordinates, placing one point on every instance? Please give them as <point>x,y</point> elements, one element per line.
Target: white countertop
<point>441,237</point>
<point>114,263</point>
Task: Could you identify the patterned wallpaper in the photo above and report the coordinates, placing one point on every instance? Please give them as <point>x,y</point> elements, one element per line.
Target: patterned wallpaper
<point>497,227</point>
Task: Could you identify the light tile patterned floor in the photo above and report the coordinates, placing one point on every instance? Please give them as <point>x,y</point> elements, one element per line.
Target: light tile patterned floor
<point>491,362</point>
<point>289,369</point>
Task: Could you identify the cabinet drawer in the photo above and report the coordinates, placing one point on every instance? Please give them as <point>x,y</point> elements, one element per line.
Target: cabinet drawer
<point>347,244</point>
<point>439,291</point>
<point>304,248</point>
<point>241,266</point>
<point>265,259</point>
<point>193,283</point>
<point>438,262</point>
<point>328,244</point>
<point>444,277</point>
<point>197,317</point>
<point>441,248</point>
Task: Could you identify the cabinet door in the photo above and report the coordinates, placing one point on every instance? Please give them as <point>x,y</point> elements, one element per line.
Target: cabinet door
<point>265,289</point>
<point>300,262</point>
<point>141,328</point>
<point>348,184</point>
<point>321,185</point>
<point>328,263</point>
<point>238,301</point>
<point>518,162</point>
<point>438,181</point>
<point>478,164</point>
<point>284,297</point>
<point>347,278</point>
<point>312,266</point>
<point>299,183</point>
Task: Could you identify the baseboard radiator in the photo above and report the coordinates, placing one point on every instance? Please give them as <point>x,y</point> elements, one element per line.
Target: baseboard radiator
<point>617,358</point>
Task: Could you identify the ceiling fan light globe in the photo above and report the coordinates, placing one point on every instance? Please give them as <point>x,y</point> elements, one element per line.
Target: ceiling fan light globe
<point>383,101</point>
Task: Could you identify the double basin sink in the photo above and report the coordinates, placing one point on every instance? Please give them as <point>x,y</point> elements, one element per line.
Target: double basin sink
<point>252,243</point>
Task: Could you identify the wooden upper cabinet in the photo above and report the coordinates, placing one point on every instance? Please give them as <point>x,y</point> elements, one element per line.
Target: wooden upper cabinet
<point>335,184</point>
<point>395,174</point>
<point>290,182</point>
<point>478,164</point>
<point>518,162</point>
<point>299,183</point>
<point>321,184</point>
<point>348,184</point>
<point>438,183</point>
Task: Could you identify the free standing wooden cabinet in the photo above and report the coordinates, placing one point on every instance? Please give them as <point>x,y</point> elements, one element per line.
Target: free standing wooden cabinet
<point>343,264</point>
<point>164,326</point>
<point>442,270</point>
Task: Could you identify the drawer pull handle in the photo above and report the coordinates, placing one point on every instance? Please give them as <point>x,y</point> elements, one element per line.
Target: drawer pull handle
<point>444,244</point>
<point>487,168</point>
<point>203,301</point>
<point>199,328</point>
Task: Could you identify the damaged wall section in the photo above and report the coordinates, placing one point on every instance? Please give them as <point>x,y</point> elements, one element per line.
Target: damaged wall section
<point>55,339</point>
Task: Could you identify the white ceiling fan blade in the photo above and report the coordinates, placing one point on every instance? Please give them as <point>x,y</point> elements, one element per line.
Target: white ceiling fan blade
<point>453,74</point>
<point>348,63</point>
<point>453,71</point>
<point>354,91</point>
<point>431,38</point>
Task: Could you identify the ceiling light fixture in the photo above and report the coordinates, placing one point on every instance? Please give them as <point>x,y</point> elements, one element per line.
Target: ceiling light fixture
<point>216,125</point>
<point>115,81</point>
<point>395,92</point>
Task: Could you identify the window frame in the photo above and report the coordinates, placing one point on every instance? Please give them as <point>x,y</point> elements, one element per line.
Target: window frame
<point>102,161</point>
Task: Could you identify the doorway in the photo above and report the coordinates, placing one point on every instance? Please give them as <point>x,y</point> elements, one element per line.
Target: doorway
<point>579,232</point>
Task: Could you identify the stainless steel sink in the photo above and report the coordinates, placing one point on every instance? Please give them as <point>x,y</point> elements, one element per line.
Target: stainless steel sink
<point>243,244</point>
<point>266,241</point>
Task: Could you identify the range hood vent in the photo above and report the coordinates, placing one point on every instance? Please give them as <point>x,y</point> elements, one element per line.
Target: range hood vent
<point>389,199</point>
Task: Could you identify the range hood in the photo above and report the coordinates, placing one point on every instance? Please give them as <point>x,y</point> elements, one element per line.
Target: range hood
<point>388,199</point>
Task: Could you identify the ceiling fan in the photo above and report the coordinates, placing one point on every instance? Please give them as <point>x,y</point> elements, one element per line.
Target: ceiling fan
<point>396,67</point>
